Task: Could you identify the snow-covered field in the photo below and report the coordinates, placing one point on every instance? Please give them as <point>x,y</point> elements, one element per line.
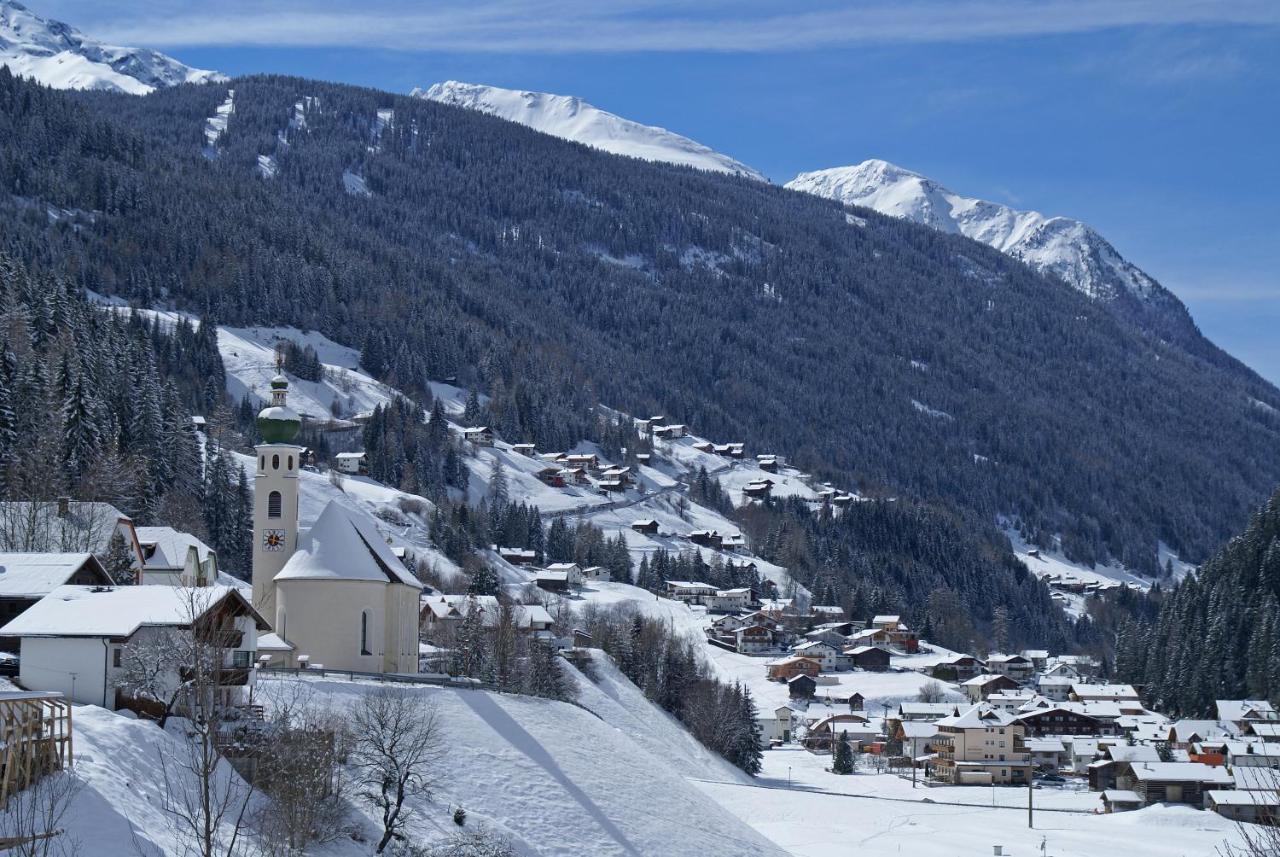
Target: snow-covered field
<point>823,815</point>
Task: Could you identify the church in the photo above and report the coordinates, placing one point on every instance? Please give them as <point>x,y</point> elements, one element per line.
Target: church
<point>336,594</point>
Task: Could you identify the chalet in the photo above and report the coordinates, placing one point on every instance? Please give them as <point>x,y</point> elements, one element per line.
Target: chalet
<point>778,608</point>
<point>722,625</point>
<point>1110,758</point>
<point>1244,712</point>
<point>823,733</point>
<point>479,435</point>
<point>1184,733</point>
<point>559,577</point>
<point>856,701</point>
<point>1047,754</point>
<point>737,450</point>
<point>647,526</point>
<point>1011,700</point>
<point>576,475</point>
<point>758,489</point>
<point>754,639</point>
<point>643,458</point>
<point>826,612</point>
<point>595,572</point>
<point>825,635</point>
<point>1120,800</point>
<point>613,486</point>
<point>1172,782</point>
<point>690,592</point>
<point>586,460</point>
<point>1247,807</point>
<point>1252,754</point>
<point>927,711</point>
<point>802,687</point>
<point>842,500</point>
<point>1084,666</point>
<point>729,600</point>
<point>25,578</point>
<point>962,667</point>
<point>1053,687</point>
<point>790,667</point>
<point>916,737</point>
<point>1268,732</point>
<point>670,431</point>
<point>66,526</point>
<point>354,463</point>
<point>518,556</point>
<point>1060,720</point>
<point>896,633</point>
<point>828,657</point>
<point>441,612</point>
<point>705,446</point>
<point>526,449</point>
<point>980,687</point>
<point>741,568</point>
<point>733,542</point>
<point>1103,693</point>
<point>74,640</point>
<point>868,658</point>
<point>1039,658</point>
<point>552,476</point>
<point>981,747</point>
<point>767,463</point>
<point>173,558</point>
<point>619,474</point>
<point>1015,667</point>
<point>705,538</point>
<point>846,628</point>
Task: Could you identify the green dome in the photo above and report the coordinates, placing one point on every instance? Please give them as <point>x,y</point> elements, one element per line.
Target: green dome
<point>279,382</point>
<point>278,424</point>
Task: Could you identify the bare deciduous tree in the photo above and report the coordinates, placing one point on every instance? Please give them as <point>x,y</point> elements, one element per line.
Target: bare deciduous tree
<point>30,824</point>
<point>396,743</point>
<point>931,691</point>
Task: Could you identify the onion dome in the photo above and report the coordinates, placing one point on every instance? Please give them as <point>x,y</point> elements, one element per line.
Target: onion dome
<point>278,423</point>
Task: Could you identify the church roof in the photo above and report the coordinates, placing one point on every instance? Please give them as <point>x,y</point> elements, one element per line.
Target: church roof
<point>344,545</point>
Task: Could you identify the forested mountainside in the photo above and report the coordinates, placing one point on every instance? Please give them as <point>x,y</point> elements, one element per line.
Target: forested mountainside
<point>97,406</point>
<point>443,242</point>
<point>1217,635</point>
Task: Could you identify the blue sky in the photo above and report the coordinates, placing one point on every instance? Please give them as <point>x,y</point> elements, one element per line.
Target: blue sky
<point>1154,120</point>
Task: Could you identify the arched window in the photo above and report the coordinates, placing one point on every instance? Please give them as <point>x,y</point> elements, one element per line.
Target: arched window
<point>291,463</point>
<point>364,633</point>
<point>275,462</point>
<point>274,502</point>
<point>262,462</point>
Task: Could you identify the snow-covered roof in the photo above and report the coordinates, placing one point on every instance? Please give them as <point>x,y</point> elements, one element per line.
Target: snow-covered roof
<point>886,620</point>
<point>1121,796</point>
<point>1132,753</point>
<point>1185,730</point>
<point>556,576</point>
<point>171,547</point>
<point>344,544</point>
<point>349,456</point>
<point>1104,691</point>
<point>38,526</point>
<point>562,566</point>
<point>1045,745</point>
<point>941,709</point>
<point>1234,797</point>
<point>99,611</point>
<point>978,717</point>
<point>35,575</point>
<point>919,729</point>
<point>1184,772</point>
<point>1246,709</point>
<point>273,642</point>
<point>1256,777</point>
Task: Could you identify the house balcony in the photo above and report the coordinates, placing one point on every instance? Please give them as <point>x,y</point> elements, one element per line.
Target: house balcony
<point>228,676</point>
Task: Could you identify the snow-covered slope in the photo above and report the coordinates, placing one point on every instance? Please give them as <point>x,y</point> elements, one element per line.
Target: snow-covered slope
<point>571,118</point>
<point>1066,248</point>
<point>60,56</point>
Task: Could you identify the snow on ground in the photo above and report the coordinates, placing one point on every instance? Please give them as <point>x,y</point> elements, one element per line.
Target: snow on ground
<point>216,125</point>
<point>561,781</point>
<point>1168,557</point>
<point>1046,563</point>
<point>824,815</point>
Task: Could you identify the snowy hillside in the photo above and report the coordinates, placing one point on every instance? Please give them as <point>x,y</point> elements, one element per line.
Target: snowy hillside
<point>62,57</point>
<point>1067,248</point>
<point>571,118</point>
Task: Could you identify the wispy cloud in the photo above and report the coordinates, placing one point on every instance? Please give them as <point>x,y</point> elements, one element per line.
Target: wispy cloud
<point>591,26</point>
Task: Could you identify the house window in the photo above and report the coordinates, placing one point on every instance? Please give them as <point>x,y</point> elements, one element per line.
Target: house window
<point>241,658</point>
<point>274,502</point>
<point>117,654</point>
<point>364,633</point>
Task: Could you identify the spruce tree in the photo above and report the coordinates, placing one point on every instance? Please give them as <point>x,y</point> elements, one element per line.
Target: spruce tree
<point>842,761</point>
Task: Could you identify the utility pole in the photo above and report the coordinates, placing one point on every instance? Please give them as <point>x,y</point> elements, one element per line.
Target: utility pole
<point>1031,824</point>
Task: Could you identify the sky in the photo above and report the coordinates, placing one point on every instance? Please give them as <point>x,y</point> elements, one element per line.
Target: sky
<point>1156,121</point>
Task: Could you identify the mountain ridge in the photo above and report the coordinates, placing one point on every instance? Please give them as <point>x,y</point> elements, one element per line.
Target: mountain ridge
<point>60,56</point>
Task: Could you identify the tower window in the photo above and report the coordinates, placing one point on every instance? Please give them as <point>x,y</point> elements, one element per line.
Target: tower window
<point>291,463</point>
<point>275,462</point>
<point>274,502</point>
<point>364,633</point>
<point>262,462</point>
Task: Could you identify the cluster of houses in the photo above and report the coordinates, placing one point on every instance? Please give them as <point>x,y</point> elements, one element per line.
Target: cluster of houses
<point>558,577</point>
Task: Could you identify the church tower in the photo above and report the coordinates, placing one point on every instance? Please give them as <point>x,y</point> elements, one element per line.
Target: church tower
<point>275,497</point>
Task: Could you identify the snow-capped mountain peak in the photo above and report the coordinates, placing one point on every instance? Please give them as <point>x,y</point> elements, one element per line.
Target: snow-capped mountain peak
<point>60,56</point>
<point>1067,248</point>
<point>571,118</point>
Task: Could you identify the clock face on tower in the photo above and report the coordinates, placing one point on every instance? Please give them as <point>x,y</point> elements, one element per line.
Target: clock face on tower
<point>273,540</point>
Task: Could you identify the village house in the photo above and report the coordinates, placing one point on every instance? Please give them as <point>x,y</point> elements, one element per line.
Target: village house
<point>440,613</point>
<point>1111,757</point>
<point>927,711</point>
<point>895,632</point>
<point>981,747</point>
<point>961,667</point>
<point>1047,754</point>
<point>595,572</point>
<point>869,658</point>
<point>25,578</point>
<point>1172,782</point>
<point>824,732</point>
<point>517,556</point>
<point>1183,733</point>
<point>705,538</point>
<point>802,687</point>
<point>1245,807</point>
<point>1081,692</point>
<point>829,658</point>
<point>1015,667</point>
<point>172,558</point>
<point>478,435</point>
<point>729,600</point>
<point>916,738</point>
<point>354,463</point>
<point>73,641</point>
<point>1246,712</point>
<point>728,624</point>
<point>758,489</point>
<point>553,477</point>
<point>790,667</point>
<point>67,526</point>
<point>690,592</point>
<point>754,639</point>
<point>1060,720</point>
<point>778,726</point>
<point>1120,800</point>
<point>980,687</point>
<point>1268,732</point>
<point>671,431</point>
<point>585,460</point>
<point>1055,688</point>
<point>1252,754</point>
<point>767,463</point>
<point>825,635</point>
<point>525,449</point>
<point>647,526</point>
<point>1011,700</point>
<point>734,542</point>
<point>1039,658</point>
<point>552,580</point>
<point>704,446</point>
